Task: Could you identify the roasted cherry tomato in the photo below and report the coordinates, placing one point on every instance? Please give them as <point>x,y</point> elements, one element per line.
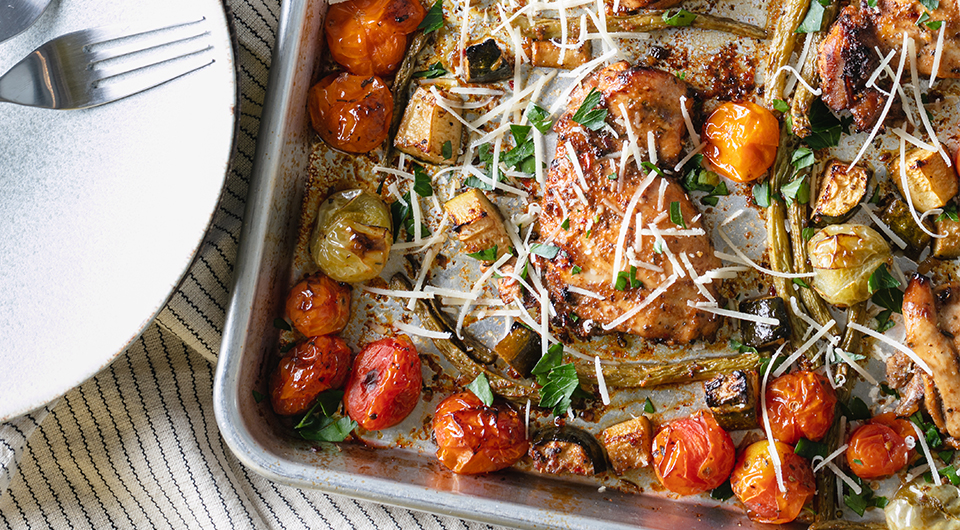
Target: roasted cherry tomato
<point>877,449</point>
<point>384,385</point>
<point>351,112</point>
<point>474,438</point>
<point>370,36</point>
<point>800,405</point>
<point>311,367</point>
<point>318,305</point>
<point>742,140</point>
<point>754,482</point>
<point>692,455</point>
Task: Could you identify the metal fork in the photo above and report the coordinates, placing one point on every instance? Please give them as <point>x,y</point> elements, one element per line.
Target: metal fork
<point>96,66</point>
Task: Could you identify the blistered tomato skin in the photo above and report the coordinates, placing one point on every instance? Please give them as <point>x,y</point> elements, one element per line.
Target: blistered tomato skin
<point>311,367</point>
<point>742,140</point>
<point>800,404</point>
<point>384,384</point>
<point>473,438</point>
<point>693,455</point>
<point>369,37</point>
<point>875,450</point>
<point>319,305</point>
<point>754,482</point>
<point>350,112</point>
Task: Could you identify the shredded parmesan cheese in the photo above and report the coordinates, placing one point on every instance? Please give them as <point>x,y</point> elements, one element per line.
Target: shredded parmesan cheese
<point>937,55</point>
<point>577,290</point>
<point>896,345</point>
<point>639,307</point>
<point>926,453</point>
<point>884,228</point>
<point>772,444</point>
<point>802,349</point>
<point>886,106</point>
<point>415,330</point>
<point>601,384</point>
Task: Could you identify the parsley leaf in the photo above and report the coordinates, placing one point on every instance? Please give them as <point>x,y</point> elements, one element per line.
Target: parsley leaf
<point>813,20</point>
<point>434,19</point>
<point>489,254</point>
<point>922,18</point>
<point>796,190</point>
<point>648,406</point>
<point>742,348</point>
<point>565,224</point>
<point>576,269</point>
<point>723,491</point>
<point>930,4</point>
<point>949,212</point>
<point>801,283</point>
<point>809,449</point>
<point>625,278</point>
<point>825,127</point>
<point>887,391</point>
<point>808,233</point>
<point>434,71</point>
<point>551,360</point>
<point>650,166</point>
<point>780,105</point>
<point>676,216</point>
<point>539,118</point>
<point>891,299</point>
<point>546,251</point>
<point>680,19</point>
<point>802,158</point>
<point>587,115</point>
<point>872,3</point>
<point>318,423</point>
<point>421,181</point>
<point>762,195</point>
<point>562,381</point>
<point>865,499</point>
<point>481,388</point>
<point>882,279</point>
<point>855,409</point>
<point>447,150</point>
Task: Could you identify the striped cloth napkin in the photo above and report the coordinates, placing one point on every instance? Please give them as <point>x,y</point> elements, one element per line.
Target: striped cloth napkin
<point>138,446</point>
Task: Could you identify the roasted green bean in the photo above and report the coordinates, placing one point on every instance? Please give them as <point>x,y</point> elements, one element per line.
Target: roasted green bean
<point>651,375</point>
<point>549,28</point>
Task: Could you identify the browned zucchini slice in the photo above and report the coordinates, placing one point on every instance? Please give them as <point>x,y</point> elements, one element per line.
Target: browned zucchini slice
<point>629,444</point>
<point>840,192</point>
<point>520,349</point>
<point>487,62</point>
<point>897,216</point>
<point>567,449</point>
<point>762,336</point>
<point>733,399</point>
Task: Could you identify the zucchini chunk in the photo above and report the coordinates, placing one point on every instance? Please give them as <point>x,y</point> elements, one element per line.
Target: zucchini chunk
<point>478,224</point>
<point>546,54</point>
<point>520,349</point>
<point>896,215</point>
<point>427,131</point>
<point>733,399</point>
<point>840,192</point>
<point>567,449</point>
<point>629,444</point>
<point>759,335</point>
<point>487,62</point>
<point>947,247</point>
<point>932,183</point>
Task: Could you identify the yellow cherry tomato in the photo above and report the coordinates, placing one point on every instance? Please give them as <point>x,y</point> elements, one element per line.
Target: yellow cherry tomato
<point>742,140</point>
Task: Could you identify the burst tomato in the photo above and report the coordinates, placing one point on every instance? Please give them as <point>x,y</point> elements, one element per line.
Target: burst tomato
<point>473,438</point>
<point>370,36</point>
<point>692,455</point>
<point>384,384</point>
<point>742,141</point>
<point>800,405</point>
<point>318,305</point>
<point>313,366</point>
<point>879,448</point>
<point>351,112</point>
<point>754,482</point>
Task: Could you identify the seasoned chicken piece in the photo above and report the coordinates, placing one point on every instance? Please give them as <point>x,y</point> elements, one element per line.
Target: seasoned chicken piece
<point>583,215</point>
<point>894,17</point>
<point>934,341</point>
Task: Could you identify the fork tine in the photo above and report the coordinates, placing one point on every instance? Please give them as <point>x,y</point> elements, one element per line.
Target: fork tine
<point>136,60</point>
<point>137,81</point>
<point>109,44</point>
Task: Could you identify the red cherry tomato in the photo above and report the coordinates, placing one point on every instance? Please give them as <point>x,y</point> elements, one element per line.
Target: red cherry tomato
<point>384,385</point>
<point>742,141</point>
<point>370,36</point>
<point>319,305</point>
<point>876,450</point>
<point>313,366</point>
<point>692,455</point>
<point>473,438</point>
<point>351,112</point>
<point>800,405</point>
<point>754,482</point>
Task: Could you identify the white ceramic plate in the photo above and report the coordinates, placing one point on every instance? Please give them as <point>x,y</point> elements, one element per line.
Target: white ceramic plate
<point>103,209</point>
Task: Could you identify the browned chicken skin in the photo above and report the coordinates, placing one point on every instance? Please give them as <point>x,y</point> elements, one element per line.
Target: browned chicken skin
<point>651,99</point>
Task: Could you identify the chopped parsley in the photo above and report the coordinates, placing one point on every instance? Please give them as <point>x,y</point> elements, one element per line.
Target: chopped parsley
<point>546,251</point>
<point>559,381</point>
<point>421,181</point>
<point>813,21</point>
<point>576,269</point>
<point>884,289</point>
<point>681,18</point>
<point>796,190</point>
<point>447,150</point>
<point>803,157</point>
<point>320,424</point>
<point>949,212</point>
<point>489,254</point>
<point>257,396</point>
<point>807,233</point>
<point>762,195</point>
<point>676,216</point>
<point>625,278</point>
<point>588,116</point>
<point>434,71</point>
<point>539,118</point>
<point>434,19</point>
<point>481,388</point>
<point>648,406</point>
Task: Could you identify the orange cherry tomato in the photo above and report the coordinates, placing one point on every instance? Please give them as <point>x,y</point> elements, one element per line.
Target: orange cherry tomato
<point>311,367</point>
<point>877,450</point>
<point>901,426</point>
<point>473,438</point>
<point>742,140</point>
<point>754,482</point>
<point>692,455</point>
<point>319,305</point>
<point>800,405</point>
<point>351,112</point>
<point>370,36</point>
<point>384,385</point>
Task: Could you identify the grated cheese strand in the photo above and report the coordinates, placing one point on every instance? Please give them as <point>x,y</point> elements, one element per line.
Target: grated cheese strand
<point>713,308</point>
<point>625,225</point>
<point>846,479</point>
<point>771,443</point>
<point>639,307</point>
<point>890,342</point>
<point>416,330</point>
<point>823,461</point>
<point>926,453</point>
<point>803,348</point>
<point>905,186</point>
<point>912,47</point>
<point>394,293</point>
<point>601,383</point>
<point>856,367</point>
<point>800,79</point>
<point>884,228</point>
<point>937,55</point>
<point>886,106</point>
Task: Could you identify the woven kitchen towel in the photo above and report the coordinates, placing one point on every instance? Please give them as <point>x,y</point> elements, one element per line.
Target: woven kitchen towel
<point>137,446</point>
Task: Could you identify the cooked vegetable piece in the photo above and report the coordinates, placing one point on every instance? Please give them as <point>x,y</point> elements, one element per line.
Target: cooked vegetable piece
<point>629,444</point>
<point>351,112</point>
<point>310,368</point>
<point>384,385</point>
<point>487,61</point>
<point>428,132</point>
<point>352,238</point>
<point>932,183</point>
<point>648,20</point>
<point>733,399</point>
<point>631,7</point>
<point>318,305</point>
<point>742,140</point>
<point>840,192</point>
<point>947,247</point>
<point>897,216</point>
<point>692,455</point>
<point>567,449</point>
<point>478,224</point>
<point>473,438</point>
<point>754,482</point>
<point>546,54</point>
<point>875,450</point>
<point>370,36</point>
<point>923,506</point>
<point>800,404</point>
<point>760,335</point>
<point>653,375</point>
<point>843,259</point>
<point>520,349</point>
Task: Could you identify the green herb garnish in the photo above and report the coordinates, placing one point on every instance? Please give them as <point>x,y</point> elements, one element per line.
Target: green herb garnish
<point>587,115</point>
<point>481,388</point>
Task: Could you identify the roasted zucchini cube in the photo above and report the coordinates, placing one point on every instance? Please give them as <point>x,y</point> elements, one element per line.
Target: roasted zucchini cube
<point>840,192</point>
<point>733,399</point>
<point>567,450</point>
<point>897,216</point>
<point>478,224</point>
<point>486,62</point>
<point>949,246</point>
<point>759,335</point>
<point>520,349</point>
<point>428,132</point>
<point>932,183</point>
<point>629,444</point>
<point>546,54</point>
